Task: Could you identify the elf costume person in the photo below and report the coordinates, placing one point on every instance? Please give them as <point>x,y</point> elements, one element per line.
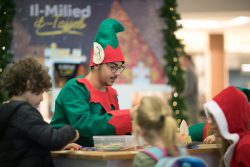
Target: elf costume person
<point>229,113</point>
<point>89,103</point>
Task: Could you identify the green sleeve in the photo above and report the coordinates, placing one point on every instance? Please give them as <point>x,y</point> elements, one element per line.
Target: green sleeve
<point>73,107</point>
<point>196,132</point>
<point>144,160</point>
<point>245,91</point>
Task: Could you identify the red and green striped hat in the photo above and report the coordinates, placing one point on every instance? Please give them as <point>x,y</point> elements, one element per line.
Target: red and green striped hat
<point>106,46</point>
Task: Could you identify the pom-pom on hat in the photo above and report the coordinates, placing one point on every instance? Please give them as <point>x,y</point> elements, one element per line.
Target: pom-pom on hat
<point>106,46</point>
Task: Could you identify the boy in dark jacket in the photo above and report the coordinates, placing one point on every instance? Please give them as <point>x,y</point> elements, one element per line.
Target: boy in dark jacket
<point>25,138</point>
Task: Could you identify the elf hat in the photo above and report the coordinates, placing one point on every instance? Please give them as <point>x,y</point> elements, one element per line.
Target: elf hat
<point>230,110</point>
<point>106,46</point>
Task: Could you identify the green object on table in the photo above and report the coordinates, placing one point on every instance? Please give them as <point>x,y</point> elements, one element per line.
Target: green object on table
<point>245,91</point>
<point>196,132</point>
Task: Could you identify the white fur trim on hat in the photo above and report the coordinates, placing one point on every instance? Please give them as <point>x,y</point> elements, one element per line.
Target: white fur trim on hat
<point>213,108</point>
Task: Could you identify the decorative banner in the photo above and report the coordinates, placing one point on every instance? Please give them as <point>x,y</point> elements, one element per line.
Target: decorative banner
<point>63,31</point>
<point>69,24</point>
<point>57,31</point>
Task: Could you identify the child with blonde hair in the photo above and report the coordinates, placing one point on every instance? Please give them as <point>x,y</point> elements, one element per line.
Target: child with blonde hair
<point>154,122</point>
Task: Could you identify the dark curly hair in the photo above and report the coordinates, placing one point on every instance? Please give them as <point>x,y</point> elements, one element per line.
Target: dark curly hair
<point>25,75</point>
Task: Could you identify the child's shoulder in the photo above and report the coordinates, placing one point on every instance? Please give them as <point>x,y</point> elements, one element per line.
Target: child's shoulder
<point>244,143</point>
<point>13,105</point>
<point>20,107</point>
<point>14,109</point>
<point>158,153</point>
<point>142,159</point>
<point>155,153</point>
<point>162,159</point>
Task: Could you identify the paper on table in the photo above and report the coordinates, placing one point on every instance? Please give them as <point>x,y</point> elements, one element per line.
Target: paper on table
<point>184,128</point>
<point>184,133</point>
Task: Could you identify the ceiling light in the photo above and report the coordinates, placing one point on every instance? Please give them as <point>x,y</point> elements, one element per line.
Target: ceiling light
<point>199,23</point>
<point>211,24</point>
<point>241,20</point>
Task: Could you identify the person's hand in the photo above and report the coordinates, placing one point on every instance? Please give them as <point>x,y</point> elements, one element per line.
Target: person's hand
<point>210,139</point>
<point>72,146</point>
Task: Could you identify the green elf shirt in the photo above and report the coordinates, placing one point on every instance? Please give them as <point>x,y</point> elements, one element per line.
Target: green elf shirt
<point>90,111</point>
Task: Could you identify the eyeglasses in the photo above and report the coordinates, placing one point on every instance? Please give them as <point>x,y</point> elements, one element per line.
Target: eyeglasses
<point>115,68</point>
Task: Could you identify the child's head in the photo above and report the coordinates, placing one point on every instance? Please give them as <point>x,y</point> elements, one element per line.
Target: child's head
<point>26,78</point>
<point>154,119</point>
<point>229,114</point>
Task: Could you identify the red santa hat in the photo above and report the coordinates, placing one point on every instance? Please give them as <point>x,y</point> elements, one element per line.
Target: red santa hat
<point>230,110</point>
<point>106,46</point>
